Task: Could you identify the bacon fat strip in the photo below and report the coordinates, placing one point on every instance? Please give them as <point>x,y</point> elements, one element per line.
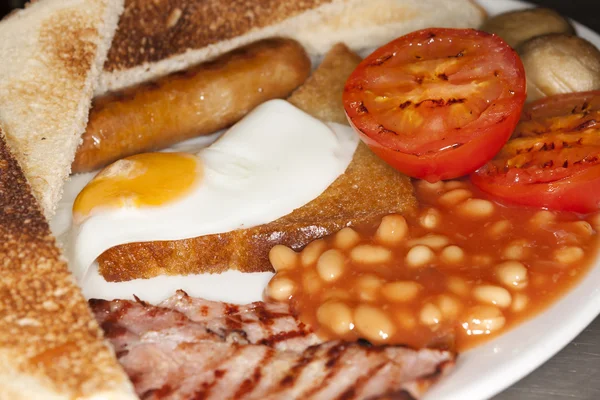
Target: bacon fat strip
<point>190,103</point>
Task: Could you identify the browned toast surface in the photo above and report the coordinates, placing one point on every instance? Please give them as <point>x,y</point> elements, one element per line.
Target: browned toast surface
<point>49,341</point>
<point>367,190</point>
<point>151,31</point>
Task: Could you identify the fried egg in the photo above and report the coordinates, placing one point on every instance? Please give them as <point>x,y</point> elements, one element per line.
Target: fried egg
<point>275,160</point>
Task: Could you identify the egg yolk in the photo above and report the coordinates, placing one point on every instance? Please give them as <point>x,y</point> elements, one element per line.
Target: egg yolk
<point>150,179</point>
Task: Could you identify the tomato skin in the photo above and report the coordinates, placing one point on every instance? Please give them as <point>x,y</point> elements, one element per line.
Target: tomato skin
<point>428,151</point>
<point>446,164</point>
<point>578,193</point>
<point>553,158</point>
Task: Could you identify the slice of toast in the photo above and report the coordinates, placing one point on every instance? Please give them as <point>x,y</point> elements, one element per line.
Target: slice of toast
<point>162,36</point>
<point>50,344</point>
<point>52,53</point>
<point>367,190</point>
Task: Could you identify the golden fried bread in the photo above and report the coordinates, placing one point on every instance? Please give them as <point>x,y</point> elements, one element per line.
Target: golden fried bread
<point>367,190</point>
<point>321,94</point>
<point>50,345</point>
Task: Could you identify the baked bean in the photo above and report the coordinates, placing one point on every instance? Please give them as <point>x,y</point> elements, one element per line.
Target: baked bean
<point>405,318</point>
<point>311,282</point>
<point>491,294</point>
<point>453,197</point>
<point>330,265</point>
<point>280,288</point>
<point>516,250</point>
<point>499,228</point>
<point>312,251</point>
<point>430,315</point>
<point>452,255</point>
<point>419,256</point>
<point>432,241</point>
<point>430,218</point>
<point>543,218</point>
<point>569,254</point>
<point>336,316</point>
<point>373,324</point>
<point>346,238</point>
<point>457,285</point>
<point>368,287</point>
<point>283,258</point>
<point>392,229</point>
<point>483,320</point>
<point>477,208</point>
<point>401,291</point>
<point>449,306</point>
<point>512,274</point>
<point>595,221</point>
<point>369,254</point>
<point>520,302</point>
<point>430,186</point>
<point>450,185</point>
<point>582,228</point>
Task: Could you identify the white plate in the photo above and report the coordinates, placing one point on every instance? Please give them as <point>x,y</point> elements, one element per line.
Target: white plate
<point>488,369</point>
<point>480,373</point>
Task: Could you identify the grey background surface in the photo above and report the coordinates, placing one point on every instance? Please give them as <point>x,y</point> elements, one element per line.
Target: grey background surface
<point>574,373</point>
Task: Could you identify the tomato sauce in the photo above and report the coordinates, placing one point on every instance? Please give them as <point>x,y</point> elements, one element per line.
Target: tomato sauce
<point>462,270</point>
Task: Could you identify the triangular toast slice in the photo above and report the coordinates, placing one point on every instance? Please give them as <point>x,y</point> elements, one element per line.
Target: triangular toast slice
<point>50,344</point>
<point>51,56</point>
<point>367,190</point>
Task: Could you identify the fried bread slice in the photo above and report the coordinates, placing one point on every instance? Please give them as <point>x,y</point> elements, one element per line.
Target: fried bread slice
<point>50,344</point>
<point>367,190</point>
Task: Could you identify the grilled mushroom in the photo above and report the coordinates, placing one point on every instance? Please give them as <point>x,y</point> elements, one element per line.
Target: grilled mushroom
<point>559,63</point>
<point>516,27</point>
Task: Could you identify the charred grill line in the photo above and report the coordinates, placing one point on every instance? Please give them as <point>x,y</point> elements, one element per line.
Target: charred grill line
<point>585,125</point>
<point>350,393</point>
<point>381,60</point>
<point>383,130</point>
<point>333,354</point>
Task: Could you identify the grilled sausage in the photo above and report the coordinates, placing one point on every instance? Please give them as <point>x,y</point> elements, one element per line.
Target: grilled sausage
<point>194,102</point>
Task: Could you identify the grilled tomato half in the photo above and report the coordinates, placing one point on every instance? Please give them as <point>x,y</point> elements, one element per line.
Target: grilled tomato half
<point>553,157</point>
<point>437,103</point>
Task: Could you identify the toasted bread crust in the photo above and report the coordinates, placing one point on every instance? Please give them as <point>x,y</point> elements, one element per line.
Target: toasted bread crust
<point>50,344</point>
<point>150,31</point>
<point>367,190</point>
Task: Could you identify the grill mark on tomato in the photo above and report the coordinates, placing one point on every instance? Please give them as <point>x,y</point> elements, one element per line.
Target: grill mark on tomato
<point>443,76</point>
<point>362,109</point>
<point>441,102</point>
<point>381,60</point>
<point>334,354</point>
<point>585,125</point>
<point>248,385</point>
<point>407,103</point>
<point>350,393</point>
<point>383,130</point>
<point>458,55</point>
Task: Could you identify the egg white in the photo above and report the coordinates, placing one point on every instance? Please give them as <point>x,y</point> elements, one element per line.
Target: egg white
<point>275,160</point>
